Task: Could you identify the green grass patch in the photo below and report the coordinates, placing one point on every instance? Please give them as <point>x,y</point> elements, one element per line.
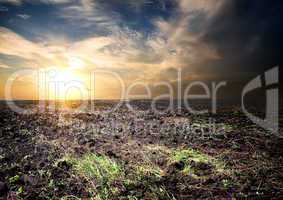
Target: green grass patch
<point>14,179</point>
<point>97,167</point>
<point>148,176</point>
<point>100,170</point>
<point>148,171</point>
<point>189,155</point>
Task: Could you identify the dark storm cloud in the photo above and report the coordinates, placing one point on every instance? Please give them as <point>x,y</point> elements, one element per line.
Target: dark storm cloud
<point>247,35</point>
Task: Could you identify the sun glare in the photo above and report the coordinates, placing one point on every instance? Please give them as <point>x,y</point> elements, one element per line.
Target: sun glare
<point>66,84</point>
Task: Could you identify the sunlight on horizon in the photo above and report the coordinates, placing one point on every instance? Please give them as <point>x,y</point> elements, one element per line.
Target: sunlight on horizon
<point>66,84</point>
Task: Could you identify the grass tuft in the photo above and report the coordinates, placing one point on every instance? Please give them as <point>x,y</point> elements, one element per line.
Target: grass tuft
<point>189,155</point>
<point>100,170</point>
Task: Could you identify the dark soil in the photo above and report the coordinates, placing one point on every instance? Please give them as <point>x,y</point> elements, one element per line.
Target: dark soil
<point>33,150</point>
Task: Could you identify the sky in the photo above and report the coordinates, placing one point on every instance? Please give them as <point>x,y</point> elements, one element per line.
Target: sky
<point>144,41</point>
